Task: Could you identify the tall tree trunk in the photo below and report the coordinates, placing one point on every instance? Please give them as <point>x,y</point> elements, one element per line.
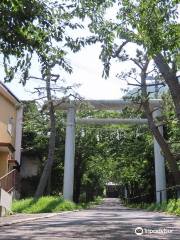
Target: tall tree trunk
<point>49,163</point>
<point>128,191</point>
<point>162,143</point>
<point>132,189</point>
<point>171,79</point>
<point>78,173</point>
<point>88,191</point>
<point>77,188</point>
<point>49,185</point>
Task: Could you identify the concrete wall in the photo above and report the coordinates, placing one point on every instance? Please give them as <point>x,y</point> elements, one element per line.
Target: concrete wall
<point>29,167</point>
<point>18,135</point>
<point>5,201</point>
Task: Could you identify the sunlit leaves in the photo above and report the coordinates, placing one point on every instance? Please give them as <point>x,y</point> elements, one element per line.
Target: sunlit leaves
<point>154,23</point>
<point>37,26</point>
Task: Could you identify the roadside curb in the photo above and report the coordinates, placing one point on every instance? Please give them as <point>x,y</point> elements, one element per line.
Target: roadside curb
<point>35,218</point>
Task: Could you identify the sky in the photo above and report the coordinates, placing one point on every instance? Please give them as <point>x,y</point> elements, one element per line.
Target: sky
<point>87,71</point>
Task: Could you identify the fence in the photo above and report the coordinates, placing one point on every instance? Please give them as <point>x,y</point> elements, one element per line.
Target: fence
<point>10,181</point>
<point>171,192</point>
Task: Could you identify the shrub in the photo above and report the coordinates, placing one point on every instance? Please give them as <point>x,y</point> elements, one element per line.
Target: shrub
<point>48,204</point>
<point>171,207</point>
<point>177,211</point>
<point>42,205</point>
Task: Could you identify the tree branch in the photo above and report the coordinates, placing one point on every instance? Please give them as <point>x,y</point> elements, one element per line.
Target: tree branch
<point>136,63</point>
<point>131,84</point>
<point>117,52</point>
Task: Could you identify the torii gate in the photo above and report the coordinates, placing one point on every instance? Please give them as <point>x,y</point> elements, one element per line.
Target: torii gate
<point>71,108</point>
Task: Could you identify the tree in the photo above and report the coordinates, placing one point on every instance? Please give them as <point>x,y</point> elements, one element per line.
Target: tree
<point>35,26</point>
<point>104,154</point>
<point>43,31</point>
<point>36,129</point>
<point>171,77</point>
<point>49,78</point>
<point>29,25</point>
<point>150,25</point>
<point>172,129</point>
<point>164,25</point>
<point>157,29</point>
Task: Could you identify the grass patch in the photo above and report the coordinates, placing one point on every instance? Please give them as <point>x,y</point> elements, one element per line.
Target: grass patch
<point>171,207</point>
<point>48,205</point>
<point>42,205</point>
<point>84,205</point>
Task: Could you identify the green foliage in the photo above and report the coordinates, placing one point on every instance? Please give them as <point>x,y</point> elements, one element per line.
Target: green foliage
<point>42,205</point>
<point>18,106</point>
<point>35,131</point>
<point>171,128</point>
<point>84,205</point>
<point>48,205</point>
<point>158,207</point>
<point>113,154</point>
<point>155,23</point>
<point>177,210</point>
<point>36,128</point>
<point>173,206</point>
<point>7,213</point>
<point>41,27</point>
<point>102,154</point>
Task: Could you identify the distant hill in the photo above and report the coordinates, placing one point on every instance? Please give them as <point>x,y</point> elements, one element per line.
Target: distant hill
<point>150,89</point>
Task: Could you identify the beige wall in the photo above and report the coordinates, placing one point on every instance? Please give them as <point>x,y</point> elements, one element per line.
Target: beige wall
<point>7,109</point>
<point>3,163</point>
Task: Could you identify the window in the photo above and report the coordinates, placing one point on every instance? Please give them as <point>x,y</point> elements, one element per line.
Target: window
<point>10,127</point>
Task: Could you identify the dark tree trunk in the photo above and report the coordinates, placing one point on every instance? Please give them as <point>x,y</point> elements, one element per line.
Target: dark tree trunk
<point>162,143</point>
<point>128,192</point>
<point>132,189</point>
<point>49,185</point>
<point>77,178</point>
<point>49,163</point>
<point>88,191</point>
<point>136,189</point>
<point>171,79</point>
<point>91,188</point>
<point>77,189</point>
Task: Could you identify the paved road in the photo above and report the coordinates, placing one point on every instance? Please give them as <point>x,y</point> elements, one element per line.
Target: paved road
<point>110,220</point>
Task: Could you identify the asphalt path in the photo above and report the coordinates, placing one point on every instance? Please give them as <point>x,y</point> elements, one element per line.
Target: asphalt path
<point>109,220</point>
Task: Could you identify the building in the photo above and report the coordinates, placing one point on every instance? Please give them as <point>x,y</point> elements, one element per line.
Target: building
<point>11,114</point>
<point>112,190</point>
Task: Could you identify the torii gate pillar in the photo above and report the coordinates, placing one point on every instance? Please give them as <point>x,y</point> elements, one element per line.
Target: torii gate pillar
<point>69,155</point>
<point>68,184</point>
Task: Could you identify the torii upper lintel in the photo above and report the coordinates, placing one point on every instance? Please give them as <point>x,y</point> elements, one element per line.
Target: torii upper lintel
<point>103,104</point>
